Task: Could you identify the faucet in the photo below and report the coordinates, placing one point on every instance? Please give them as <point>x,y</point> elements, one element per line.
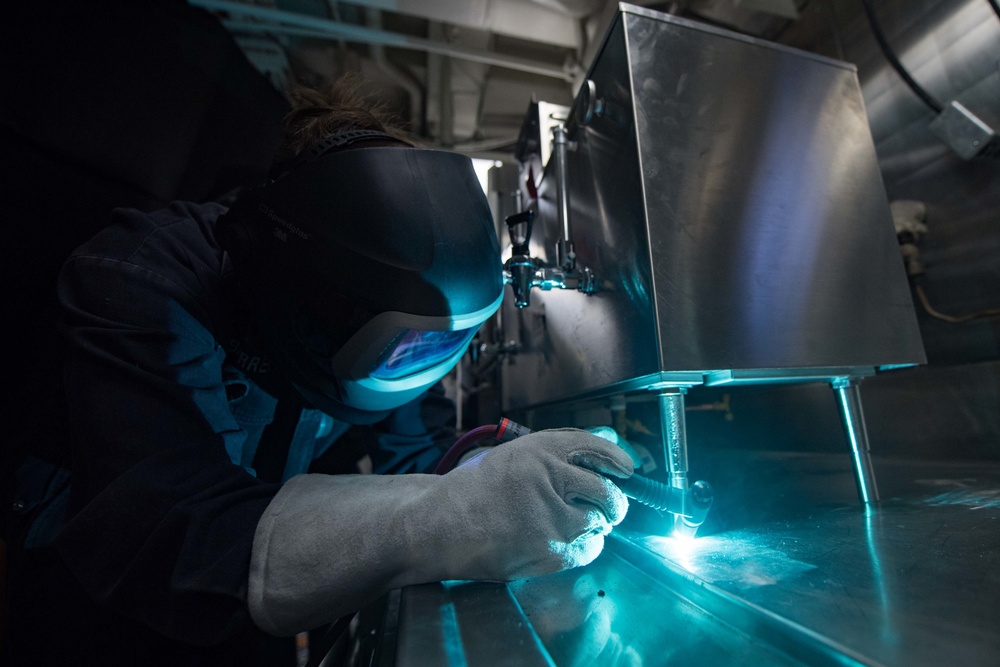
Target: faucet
<point>522,271</point>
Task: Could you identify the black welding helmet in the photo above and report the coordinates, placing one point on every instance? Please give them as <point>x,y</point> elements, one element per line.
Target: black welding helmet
<point>368,271</point>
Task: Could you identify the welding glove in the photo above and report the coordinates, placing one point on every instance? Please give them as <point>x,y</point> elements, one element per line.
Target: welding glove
<point>611,435</point>
<point>327,545</point>
<point>605,432</point>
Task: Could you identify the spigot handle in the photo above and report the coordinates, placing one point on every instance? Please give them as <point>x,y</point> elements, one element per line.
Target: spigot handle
<point>519,227</point>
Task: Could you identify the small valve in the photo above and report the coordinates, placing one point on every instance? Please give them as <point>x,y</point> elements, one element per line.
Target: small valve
<point>520,269</point>
<point>519,228</point>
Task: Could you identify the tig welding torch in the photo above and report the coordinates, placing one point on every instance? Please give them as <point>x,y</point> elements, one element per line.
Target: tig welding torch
<point>691,504</point>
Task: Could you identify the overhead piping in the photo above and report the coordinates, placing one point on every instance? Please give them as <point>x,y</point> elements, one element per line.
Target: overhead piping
<point>300,25</point>
<point>402,78</point>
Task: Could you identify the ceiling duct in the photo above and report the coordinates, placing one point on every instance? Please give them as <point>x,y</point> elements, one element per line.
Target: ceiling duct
<point>260,20</point>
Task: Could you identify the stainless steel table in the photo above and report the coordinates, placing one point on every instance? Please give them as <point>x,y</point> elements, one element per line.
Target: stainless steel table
<point>915,581</point>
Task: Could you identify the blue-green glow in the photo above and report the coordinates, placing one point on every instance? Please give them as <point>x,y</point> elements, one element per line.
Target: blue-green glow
<point>889,634</point>
<point>893,367</point>
<point>742,558</point>
<point>974,498</point>
<point>681,549</point>
<point>414,351</point>
<point>453,650</point>
<point>855,447</point>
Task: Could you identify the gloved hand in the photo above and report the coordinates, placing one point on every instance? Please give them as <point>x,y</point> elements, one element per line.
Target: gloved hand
<point>326,545</point>
<point>611,435</point>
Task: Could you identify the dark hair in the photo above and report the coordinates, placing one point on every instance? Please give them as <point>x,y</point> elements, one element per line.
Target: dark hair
<point>341,105</point>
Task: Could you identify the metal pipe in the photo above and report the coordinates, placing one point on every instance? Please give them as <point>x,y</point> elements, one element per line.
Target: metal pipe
<point>567,257</point>
<point>674,432</point>
<point>401,77</point>
<point>291,23</point>
<point>446,102</point>
<point>853,419</point>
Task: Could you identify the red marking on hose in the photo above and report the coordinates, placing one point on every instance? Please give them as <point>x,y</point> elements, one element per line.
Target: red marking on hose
<point>502,427</point>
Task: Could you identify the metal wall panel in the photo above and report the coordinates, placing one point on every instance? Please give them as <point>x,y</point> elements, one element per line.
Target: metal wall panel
<point>951,47</point>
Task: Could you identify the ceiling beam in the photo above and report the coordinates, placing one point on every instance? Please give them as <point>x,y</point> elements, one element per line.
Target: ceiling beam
<point>301,25</point>
<point>523,19</point>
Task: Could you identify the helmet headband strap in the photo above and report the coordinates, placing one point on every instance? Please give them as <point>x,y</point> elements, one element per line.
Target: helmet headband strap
<point>324,146</point>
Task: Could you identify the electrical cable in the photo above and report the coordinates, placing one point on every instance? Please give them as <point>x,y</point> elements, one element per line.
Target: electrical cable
<point>925,302</point>
<point>462,445</point>
<point>894,61</point>
<point>995,5</point>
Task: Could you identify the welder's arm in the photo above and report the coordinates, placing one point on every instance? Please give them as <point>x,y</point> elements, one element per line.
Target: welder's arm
<point>327,545</point>
<point>161,518</point>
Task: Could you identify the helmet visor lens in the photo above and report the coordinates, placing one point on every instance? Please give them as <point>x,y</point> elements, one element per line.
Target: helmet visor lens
<point>415,350</point>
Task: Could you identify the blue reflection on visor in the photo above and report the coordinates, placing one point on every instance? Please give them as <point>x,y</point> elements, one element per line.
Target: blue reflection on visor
<point>415,351</point>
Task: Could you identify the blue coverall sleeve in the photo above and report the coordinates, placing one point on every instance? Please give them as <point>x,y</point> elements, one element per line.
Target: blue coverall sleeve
<point>415,436</point>
<point>162,521</point>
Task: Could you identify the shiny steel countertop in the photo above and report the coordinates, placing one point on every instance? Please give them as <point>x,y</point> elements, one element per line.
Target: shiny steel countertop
<point>798,579</point>
<point>915,581</point>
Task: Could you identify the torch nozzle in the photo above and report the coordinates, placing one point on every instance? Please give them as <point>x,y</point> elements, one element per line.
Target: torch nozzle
<point>692,504</point>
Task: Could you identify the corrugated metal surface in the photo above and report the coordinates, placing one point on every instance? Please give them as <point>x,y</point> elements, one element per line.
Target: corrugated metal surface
<point>951,408</point>
<point>952,48</point>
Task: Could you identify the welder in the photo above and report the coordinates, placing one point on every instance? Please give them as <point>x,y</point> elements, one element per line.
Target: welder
<point>219,354</point>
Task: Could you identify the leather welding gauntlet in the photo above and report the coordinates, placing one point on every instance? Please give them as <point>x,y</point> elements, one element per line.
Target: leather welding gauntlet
<point>327,545</point>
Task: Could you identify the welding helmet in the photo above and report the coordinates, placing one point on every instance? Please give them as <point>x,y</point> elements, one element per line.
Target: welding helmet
<point>368,270</point>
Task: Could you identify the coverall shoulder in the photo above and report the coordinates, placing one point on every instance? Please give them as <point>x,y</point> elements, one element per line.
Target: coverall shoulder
<point>170,401</point>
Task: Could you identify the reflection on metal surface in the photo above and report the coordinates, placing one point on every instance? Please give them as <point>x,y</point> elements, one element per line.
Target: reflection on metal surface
<point>741,558</point>
<point>873,537</point>
<point>451,638</point>
<point>779,633</point>
<point>455,623</point>
<point>577,614</point>
<point>910,584</point>
<point>974,499</point>
<point>611,613</point>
